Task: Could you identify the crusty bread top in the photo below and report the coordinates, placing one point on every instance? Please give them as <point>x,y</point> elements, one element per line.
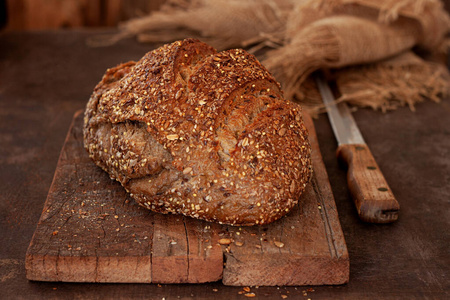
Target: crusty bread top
<point>209,135</point>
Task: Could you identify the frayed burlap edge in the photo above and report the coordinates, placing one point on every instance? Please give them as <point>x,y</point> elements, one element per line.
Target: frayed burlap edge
<point>404,80</point>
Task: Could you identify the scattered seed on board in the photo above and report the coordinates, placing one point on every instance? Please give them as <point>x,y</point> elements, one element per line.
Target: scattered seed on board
<point>279,244</point>
<point>224,241</point>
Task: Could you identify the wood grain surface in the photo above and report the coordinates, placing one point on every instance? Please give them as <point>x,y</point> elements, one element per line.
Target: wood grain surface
<point>92,231</point>
<point>371,193</point>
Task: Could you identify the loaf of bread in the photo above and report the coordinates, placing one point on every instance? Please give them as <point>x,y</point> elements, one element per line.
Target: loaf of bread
<point>191,131</point>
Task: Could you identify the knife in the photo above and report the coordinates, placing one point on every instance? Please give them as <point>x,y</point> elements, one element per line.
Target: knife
<point>373,197</point>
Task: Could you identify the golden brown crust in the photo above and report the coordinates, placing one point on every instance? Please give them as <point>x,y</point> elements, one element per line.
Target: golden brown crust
<point>191,131</point>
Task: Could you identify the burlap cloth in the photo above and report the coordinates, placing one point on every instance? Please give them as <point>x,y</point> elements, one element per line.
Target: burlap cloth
<point>369,46</point>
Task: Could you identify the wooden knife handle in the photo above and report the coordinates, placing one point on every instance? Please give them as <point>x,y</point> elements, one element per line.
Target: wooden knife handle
<point>373,198</point>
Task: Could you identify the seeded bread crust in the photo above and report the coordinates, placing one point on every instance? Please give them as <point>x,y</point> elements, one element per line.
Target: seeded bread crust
<point>190,131</point>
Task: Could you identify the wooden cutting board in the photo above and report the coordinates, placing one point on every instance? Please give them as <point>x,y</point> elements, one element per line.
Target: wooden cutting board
<point>92,231</point>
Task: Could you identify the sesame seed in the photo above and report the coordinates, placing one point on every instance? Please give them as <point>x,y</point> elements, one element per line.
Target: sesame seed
<point>172,137</point>
<point>225,241</point>
<point>279,244</point>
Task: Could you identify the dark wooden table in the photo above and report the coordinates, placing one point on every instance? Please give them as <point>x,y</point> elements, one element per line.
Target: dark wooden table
<point>46,76</point>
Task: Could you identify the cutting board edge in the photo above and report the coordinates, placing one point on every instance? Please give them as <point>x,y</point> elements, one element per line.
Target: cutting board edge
<point>32,258</point>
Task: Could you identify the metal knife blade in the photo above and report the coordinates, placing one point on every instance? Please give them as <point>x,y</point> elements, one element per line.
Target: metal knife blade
<point>373,198</point>
<point>341,119</point>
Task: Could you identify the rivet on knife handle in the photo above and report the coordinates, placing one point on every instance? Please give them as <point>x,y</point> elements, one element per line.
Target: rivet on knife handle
<point>373,198</point>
